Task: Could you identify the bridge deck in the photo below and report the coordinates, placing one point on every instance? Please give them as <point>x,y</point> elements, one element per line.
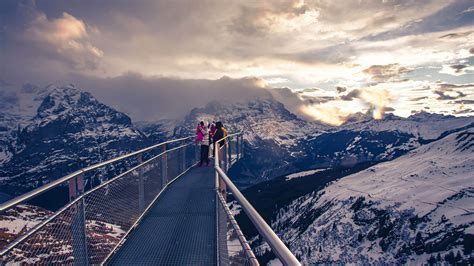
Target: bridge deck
<point>179,229</point>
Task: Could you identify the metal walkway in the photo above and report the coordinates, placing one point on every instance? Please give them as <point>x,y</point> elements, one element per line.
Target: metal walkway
<point>180,228</point>
<point>152,207</point>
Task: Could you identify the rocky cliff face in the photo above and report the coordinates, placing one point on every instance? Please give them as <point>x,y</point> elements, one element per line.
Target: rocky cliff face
<point>69,130</point>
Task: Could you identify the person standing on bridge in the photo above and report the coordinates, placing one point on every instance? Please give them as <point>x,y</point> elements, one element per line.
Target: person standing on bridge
<point>202,138</point>
<point>218,140</point>
<point>212,131</point>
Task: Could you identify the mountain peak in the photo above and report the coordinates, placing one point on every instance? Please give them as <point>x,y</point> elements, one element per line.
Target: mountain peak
<point>427,116</point>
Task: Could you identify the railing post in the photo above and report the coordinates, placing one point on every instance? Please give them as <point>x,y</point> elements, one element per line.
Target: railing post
<point>224,156</point>
<point>141,186</point>
<point>183,159</point>
<point>220,184</point>
<point>197,151</point>
<point>78,221</point>
<point>164,166</point>
<point>242,149</point>
<point>216,163</point>
<point>229,153</point>
<point>237,148</point>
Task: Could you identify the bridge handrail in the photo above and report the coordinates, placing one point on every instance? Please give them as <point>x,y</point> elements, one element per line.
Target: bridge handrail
<point>81,198</point>
<point>278,247</point>
<point>29,195</point>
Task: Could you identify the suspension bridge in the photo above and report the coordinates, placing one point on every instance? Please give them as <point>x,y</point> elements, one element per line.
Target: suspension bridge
<point>151,207</point>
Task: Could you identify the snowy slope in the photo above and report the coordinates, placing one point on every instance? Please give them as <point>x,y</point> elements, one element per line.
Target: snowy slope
<point>15,222</point>
<point>407,210</point>
<point>427,126</point>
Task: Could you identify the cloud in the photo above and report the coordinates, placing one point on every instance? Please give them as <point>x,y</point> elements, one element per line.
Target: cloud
<point>155,98</point>
<point>43,49</point>
<point>379,99</point>
<point>448,92</point>
<point>313,44</point>
<point>386,73</point>
<point>340,89</point>
<point>376,100</point>
<point>258,20</point>
<point>67,36</point>
<point>466,111</point>
<point>327,114</point>
<point>416,99</point>
<point>456,69</point>
<point>456,35</point>
<point>353,94</point>
<point>464,101</point>
<point>468,10</point>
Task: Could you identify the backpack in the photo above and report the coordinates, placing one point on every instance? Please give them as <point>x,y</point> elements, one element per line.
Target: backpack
<point>225,134</point>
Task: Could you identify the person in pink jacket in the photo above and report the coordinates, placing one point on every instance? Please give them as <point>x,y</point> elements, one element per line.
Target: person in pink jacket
<point>199,134</point>
<point>202,138</point>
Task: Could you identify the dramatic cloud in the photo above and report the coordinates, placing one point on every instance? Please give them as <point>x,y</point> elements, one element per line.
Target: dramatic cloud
<point>379,99</point>
<point>342,48</point>
<point>373,100</point>
<point>66,36</point>
<point>155,98</point>
<point>327,114</point>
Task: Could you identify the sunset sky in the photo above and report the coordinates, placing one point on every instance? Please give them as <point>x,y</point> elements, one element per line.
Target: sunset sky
<point>337,57</point>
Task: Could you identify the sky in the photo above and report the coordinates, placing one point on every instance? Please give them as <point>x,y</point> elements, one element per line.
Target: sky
<point>325,60</point>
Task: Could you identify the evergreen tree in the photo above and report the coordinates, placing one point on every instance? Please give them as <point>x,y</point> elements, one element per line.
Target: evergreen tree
<point>458,257</point>
<point>431,260</point>
<point>450,258</point>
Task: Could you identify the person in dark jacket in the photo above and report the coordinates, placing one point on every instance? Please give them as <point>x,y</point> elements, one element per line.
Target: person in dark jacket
<point>217,138</point>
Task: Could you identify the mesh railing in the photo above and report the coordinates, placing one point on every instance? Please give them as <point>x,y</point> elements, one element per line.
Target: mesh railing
<point>96,218</point>
<point>94,223</point>
<point>237,250</point>
<point>233,247</point>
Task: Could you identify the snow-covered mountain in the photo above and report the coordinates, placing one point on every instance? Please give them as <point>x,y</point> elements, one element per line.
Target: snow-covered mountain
<point>48,132</point>
<point>416,208</point>
<point>54,131</point>
<point>18,106</point>
<point>278,142</point>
